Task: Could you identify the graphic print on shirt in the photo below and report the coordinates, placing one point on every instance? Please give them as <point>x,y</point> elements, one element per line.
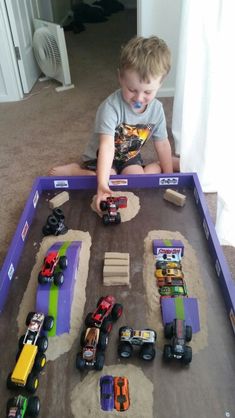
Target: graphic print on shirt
<point>129,139</point>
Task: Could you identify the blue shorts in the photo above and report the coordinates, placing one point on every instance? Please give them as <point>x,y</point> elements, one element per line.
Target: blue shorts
<point>117,164</point>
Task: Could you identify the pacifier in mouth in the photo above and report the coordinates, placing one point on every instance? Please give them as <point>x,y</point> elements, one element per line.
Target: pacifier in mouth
<point>137,105</point>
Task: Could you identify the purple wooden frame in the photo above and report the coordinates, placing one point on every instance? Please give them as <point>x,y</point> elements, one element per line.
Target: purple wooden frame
<point>188,180</point>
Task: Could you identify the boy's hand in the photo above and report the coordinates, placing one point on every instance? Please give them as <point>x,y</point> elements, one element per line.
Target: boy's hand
<point>102,193</point>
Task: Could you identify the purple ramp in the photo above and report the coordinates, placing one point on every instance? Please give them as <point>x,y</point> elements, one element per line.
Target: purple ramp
<point>57,301</point>
<point>181,308</point>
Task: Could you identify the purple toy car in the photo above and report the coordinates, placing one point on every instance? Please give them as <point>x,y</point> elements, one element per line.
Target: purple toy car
<point>106,393</point>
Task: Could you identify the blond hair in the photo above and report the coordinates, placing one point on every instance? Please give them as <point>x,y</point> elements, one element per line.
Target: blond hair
<point>149,57</point>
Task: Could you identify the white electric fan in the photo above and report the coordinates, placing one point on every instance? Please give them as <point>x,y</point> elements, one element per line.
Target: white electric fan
<point>50,52</point>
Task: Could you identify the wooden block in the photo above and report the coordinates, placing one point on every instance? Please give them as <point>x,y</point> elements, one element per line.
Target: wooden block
<point>116,262</point>
<point>58,200</point>
<point>174,197</point>
<point>116,280</point>
<point>116,255</point>
<point>115,271</point>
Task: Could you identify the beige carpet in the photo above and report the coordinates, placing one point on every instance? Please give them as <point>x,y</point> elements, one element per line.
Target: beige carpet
<point>50,128</point>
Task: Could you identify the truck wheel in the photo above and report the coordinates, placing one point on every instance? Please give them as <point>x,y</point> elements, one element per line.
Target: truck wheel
<point>42,279</point>
<point>107,326</point>
<point>117,311</point>
<point>42,343</point>
<point>118,218</point>
<point>103,341</point>
<point>32,383</point>
<point>188,333</point>
<point>33,406</point>
<point>58,213</point>
<point>168,330</point>
<point>88,320</point>
<point>63,262</point>
<point>123,329</point>
<point>80,363</point>
<point>99,364</point>
<point>187,358</point>
<point>58,279</point>
<point>147,352</point>
<point>105,219</point>
<point>53,223</point>
<point>167,352</point>
<point>29,317</point>
<point>82,338</point>
<point>125,349</point>
<point>48,323</point>
<point>40,362</point>
<point>103,205</point>
<point>20,343</point>
<point>46,230</point>
<point>10,385</point>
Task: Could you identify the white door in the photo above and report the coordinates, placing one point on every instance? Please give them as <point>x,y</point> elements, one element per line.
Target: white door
<point>21,13</point>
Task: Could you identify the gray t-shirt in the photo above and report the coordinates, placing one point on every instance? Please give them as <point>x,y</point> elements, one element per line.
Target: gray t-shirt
<point>130,130</point>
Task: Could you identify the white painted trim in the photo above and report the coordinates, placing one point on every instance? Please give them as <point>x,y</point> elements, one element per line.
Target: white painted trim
<point>9,69</point>
<point>166,92</point>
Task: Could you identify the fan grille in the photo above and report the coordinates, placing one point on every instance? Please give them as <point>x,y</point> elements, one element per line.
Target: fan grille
<point>46,52</point>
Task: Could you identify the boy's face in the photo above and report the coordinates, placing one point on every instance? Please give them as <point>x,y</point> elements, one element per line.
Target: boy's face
<point>138,94</point>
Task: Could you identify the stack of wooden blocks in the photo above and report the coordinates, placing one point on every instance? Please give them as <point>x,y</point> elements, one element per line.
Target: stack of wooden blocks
<point>116,269</point>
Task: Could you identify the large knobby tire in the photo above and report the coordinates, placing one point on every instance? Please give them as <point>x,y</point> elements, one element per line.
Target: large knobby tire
<point>167,352</point>
<point>106,219</point>
<point>187,357</point>
<point>168,330</point>
<point>33,407</point>
<point>58,213</point>
<point>103,205</point>
<point>59,279</point>
<point>88,320</point>
<point>117,311</point>
<point>42,279</point>
<point>48,323</point>
<point>29,317</point>
<point>32,383</point>
<point>118,218</point>
<point>123,329</point>
<point>147,352</point>
<point>80,363</point>
<point>10,385</point>
<point>99,364</point>
<point>63,262</point>
<point>20,343</point>
<point>125,349</point>
<point>188,333</point>
<point>40,362</point>
<point>107,325</point>
<point>52,222</point>
<point>103,341</point>
<point>42,343</point>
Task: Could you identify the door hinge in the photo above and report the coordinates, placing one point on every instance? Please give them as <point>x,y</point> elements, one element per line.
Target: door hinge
<point>17,52</point>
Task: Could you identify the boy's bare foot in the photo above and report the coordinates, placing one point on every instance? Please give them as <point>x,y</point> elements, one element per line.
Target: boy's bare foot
<point>72,169</point>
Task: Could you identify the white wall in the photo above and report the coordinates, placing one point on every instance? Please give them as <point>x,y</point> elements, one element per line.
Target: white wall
<point>162,18</point>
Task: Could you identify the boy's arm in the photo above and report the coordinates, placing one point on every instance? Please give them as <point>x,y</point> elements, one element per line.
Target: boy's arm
<point>163,149</point>
<point>104,165</point>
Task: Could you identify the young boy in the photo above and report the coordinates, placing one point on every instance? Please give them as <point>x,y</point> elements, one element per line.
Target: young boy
<point>128,118</point>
